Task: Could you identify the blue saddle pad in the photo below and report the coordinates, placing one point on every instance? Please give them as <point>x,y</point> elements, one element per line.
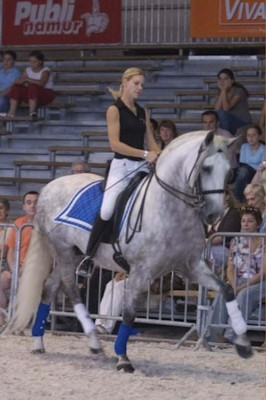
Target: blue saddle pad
<point>82,209</point>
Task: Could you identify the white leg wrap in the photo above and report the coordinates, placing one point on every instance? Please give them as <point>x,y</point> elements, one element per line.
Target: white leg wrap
<point>38,344</point>
<point>84,318</point>
<point>237,320</point>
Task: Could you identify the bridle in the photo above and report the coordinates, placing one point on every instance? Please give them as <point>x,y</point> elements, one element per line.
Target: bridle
<point>193,199</point>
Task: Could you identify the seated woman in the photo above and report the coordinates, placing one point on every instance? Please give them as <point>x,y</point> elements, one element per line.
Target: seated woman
<point>8,75</point>
<point>231,102</point>
<point>230,222</point>
<point>246,271</point>
<point>33,87</point>
<point>251,157</point>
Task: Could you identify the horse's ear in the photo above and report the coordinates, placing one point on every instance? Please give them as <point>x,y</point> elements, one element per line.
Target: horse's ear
<point>209,138</point>
<point>234,144</point>
<point>203,153</point>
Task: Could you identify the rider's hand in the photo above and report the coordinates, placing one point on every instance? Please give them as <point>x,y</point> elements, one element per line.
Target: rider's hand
<point>151,157</point>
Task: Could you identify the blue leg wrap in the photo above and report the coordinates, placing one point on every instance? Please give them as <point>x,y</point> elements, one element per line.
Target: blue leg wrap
<point>38,328</point>
<point>122,338</point>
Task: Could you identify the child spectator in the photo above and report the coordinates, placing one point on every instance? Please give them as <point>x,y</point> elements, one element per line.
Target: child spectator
<point>34,86</point>
<point>8,75</point>
<point>251,156</point>
<point>231,102</point>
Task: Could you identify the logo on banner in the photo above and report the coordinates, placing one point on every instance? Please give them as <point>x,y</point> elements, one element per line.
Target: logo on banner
<point>53,18</point>
<point>239,12</point>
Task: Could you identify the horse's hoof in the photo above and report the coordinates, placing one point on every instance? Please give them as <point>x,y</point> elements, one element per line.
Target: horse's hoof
<point>243,346</point>
<point>38,351</point>
<point>244,351</point>
<point>96,351</point>
<point>124,365</point>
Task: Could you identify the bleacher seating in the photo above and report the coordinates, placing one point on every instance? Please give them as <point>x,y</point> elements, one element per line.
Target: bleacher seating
<point>73,126</point>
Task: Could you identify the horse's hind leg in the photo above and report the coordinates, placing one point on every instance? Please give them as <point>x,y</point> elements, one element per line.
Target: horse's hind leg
<point>208,279</point>
<point>50,290</point>
<point>71,290</point>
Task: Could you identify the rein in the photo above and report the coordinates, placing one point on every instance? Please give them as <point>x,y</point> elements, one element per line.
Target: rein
<point>138,223</point>
<point>195,200</point>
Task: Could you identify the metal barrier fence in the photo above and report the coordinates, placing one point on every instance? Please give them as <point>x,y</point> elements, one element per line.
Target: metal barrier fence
<point>169,301</point>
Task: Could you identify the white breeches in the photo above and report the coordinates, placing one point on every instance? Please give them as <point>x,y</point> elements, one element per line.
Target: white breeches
<point>120,174</point>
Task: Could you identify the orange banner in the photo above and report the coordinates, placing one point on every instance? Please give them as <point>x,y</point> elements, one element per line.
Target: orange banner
<point>227,18</point>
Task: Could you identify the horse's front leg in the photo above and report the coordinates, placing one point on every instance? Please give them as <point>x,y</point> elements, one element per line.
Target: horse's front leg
<point>132,293</point>
<point>206,278</point>
<point>50,289</point>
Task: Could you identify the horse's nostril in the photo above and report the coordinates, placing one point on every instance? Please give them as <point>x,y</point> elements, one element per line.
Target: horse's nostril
<point>211,218</point>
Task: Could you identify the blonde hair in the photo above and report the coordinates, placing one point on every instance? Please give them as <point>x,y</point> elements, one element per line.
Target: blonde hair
<point>127,75</point>
<point>257,189</point>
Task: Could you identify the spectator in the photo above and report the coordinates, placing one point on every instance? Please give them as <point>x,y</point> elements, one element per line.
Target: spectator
<point>33,87</point>
<point>80,167</point>
<point>29,206</point>
<point>210,122</point>
<point>230,222</point>
<point>256,197</point>
<point>167,132</point>
<point>246,260</point>
<point>8,75</point>
<point>111,303</point>
<point>251,156</point>
<point>231,102</point>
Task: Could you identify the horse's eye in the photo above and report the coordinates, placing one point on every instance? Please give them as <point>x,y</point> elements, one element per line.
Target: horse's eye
<point>207,169</point>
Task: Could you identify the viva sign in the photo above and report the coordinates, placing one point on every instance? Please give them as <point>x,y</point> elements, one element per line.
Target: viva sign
<point>227,18</point>
<point>61,21</point>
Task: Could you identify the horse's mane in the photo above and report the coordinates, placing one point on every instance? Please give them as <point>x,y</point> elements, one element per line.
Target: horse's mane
<point>196,138</point>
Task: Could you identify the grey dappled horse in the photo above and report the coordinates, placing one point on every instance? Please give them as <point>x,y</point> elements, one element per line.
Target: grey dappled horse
<point>186,189</point>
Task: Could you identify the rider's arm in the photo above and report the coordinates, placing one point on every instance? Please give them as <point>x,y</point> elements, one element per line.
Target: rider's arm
<point>113,130</point>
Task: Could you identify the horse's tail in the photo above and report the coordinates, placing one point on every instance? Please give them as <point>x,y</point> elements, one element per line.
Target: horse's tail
<point>36,268</point>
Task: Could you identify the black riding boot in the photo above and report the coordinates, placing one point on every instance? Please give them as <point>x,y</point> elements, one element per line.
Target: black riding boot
<point>86,264</point>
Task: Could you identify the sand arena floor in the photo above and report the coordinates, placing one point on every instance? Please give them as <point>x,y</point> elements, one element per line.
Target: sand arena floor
<point>68,371</point>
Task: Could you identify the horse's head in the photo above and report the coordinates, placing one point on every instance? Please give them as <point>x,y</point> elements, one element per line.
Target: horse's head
<point>209,175</point>
<point>195,167</point>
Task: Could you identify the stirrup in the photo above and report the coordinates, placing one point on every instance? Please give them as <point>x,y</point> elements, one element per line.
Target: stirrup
<point>85,267</point>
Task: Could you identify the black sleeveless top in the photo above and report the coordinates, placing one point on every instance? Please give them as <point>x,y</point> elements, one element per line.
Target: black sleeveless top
<point>132,128</point>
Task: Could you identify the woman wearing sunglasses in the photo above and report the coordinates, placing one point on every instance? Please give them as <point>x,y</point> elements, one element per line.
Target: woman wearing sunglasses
<point>246,270</point>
